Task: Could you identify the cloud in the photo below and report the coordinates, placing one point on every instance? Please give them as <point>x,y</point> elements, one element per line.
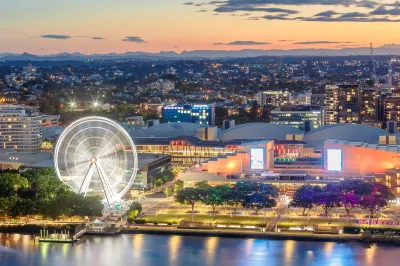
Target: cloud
<point>353,15</point>
<point>328,14</point>
<point>134,39</point>
<point>237,4</point>
<point>82,36</point>
<point>287,10</point>
<point>383,11</point>
<point>229,9</point>
<point>242,43</point>
<point>285,40</point>
<point>188,4</point>
<point>318,42</point>
<point>98,38</point>
<point>201,11</point>
<point>347,45</point>
<point>55,36</point>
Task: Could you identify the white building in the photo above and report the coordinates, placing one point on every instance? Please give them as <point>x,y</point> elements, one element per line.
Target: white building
<point>20,129</point>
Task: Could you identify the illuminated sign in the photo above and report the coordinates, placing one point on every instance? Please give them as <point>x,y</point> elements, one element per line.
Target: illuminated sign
<point>334,159</point>
<point>257,158</point>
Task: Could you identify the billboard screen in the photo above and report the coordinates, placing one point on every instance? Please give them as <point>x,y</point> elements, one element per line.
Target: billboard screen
<point>334,159</point>
<point>257,158</point>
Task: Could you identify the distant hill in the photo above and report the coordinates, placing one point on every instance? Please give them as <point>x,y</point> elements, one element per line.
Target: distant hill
<point>393,49</point>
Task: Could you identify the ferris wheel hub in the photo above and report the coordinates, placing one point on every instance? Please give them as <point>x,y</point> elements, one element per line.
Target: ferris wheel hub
<point>93,159</point>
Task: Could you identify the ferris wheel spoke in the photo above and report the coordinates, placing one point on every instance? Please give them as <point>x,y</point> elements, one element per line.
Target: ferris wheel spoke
<point>105,145</point>
<point>86,181</point>
<point>106,180</point>
<point>110,154</point>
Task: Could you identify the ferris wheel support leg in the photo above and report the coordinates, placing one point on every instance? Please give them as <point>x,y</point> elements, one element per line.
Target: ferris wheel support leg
<point>106,187</point>
<point>86,181</point>
<point>106,180</point>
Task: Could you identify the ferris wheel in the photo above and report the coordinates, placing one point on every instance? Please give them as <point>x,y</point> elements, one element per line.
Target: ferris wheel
<point>96,156</point>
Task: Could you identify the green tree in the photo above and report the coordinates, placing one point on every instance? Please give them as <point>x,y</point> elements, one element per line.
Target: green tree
<point>189,196</point>
<point>203,185</point>
<point>235,198</point>
<point>11,184</point>
<point>167,191</point>
<point>7,205</point>
<point>134,210</point>
<point>213,197</point>
<point>178,185</point>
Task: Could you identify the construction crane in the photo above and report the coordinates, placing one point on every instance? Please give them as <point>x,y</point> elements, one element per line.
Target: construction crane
<point>374,76</point>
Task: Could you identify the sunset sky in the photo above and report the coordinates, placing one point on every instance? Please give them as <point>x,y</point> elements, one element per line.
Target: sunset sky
<point>105,26</point>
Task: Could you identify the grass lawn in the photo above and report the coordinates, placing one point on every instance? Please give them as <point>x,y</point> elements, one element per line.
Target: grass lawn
<point>298,221</point>
<point>220,219</point>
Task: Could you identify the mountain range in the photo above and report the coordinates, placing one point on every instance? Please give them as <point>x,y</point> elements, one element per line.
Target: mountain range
<point>393,49</point>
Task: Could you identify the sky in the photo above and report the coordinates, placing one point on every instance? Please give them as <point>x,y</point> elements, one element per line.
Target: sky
<point>106,26</point>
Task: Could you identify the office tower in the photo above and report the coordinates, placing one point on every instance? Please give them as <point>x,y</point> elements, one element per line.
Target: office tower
<point>188,113</point>
<point>20,129</point>
<point>296,116</point>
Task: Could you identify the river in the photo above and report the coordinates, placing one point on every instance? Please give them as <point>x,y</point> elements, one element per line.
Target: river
<point>156,250</point>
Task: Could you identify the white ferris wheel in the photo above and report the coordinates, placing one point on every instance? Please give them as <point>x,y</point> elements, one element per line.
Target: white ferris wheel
<point>96,156</point>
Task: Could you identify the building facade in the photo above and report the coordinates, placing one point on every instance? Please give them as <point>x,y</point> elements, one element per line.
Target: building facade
<point>274,98</point>
<point>188,113</point>
<point>20,129</point>
<point>297,116</point>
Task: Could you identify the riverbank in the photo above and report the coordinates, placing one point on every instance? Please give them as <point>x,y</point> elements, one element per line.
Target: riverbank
<point>233,233</point>
<point>226,233</point>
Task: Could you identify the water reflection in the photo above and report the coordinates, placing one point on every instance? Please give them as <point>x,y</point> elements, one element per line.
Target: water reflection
<point>149,250</point>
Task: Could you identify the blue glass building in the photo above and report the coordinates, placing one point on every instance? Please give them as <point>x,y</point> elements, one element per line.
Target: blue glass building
<point>189,113</point>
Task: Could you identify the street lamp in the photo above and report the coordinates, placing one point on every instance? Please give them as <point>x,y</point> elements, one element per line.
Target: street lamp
<point>72,105</point>
<point>96,104</point>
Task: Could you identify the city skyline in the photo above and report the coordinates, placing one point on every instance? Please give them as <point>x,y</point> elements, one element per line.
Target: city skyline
<point>45,27</point>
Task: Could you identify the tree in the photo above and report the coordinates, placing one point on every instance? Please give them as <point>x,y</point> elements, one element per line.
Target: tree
<point>203,185</point>
<point>134,211</point>
<point>261,195</point>
<point>304,197</point>
<point>167,191</point>
<point>258,201</point>
<point>7,205</point>
<point>189,196</point>
<point>349,195</point>
<point>328,198</point>
<point>178,186</point>
<point>11,184</point>
<point>235,198</point>
<point>213,196</point>
<point>375,197</point>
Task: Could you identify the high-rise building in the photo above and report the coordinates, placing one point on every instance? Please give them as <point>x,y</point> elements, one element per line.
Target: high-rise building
<point>200,114</point>
<point>343,104</point>
<point>391,108</point>
<point>331,104</point>
<point>274,98</point>
<point>368,105</point>
<point>296,116</point>
<point>20,129</point>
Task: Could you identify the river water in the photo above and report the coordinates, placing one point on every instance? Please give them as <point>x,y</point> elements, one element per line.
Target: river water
<point>155,250</point>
